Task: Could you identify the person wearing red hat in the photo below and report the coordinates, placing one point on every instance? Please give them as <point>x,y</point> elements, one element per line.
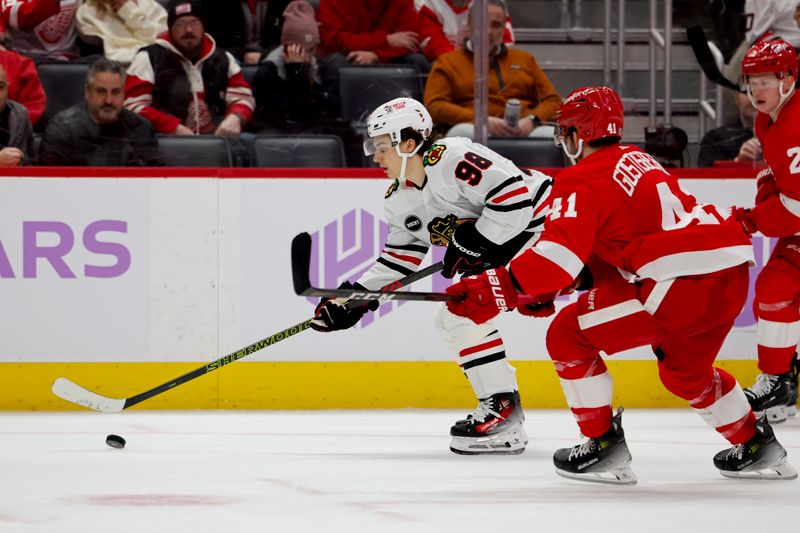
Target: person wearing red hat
<point>667,272</point>
<point>769,74</point>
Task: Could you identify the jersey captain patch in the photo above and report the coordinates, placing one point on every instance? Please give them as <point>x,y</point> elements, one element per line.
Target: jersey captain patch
<point>433,155</point>
<point>393,187</point>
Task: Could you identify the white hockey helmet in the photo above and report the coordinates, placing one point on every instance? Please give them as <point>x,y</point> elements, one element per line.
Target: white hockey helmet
<point>393,117</point>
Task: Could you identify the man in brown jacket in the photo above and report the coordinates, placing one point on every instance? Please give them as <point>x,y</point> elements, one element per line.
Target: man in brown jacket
<point>513,73</point>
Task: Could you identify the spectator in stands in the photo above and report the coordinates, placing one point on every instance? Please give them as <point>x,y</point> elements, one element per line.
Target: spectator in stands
<point>249,32</point>
<point>120,27</point>
<point>24,86</point>
<point>184,85</point>
<point>41,29</point>
<point>16,134</point>
<point>724,143</point>
<point>513,73</point>
<point>444,24</point>
<point>367,32</point>
<point>99,132</point>
<point>288,89</point>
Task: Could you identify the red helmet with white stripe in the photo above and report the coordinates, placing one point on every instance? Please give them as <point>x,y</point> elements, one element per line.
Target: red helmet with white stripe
<point>594,112</point>
<point>775,55</point>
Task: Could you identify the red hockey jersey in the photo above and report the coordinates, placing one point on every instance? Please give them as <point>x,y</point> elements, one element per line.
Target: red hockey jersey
<point>620,205</point>
<point>778,215</point>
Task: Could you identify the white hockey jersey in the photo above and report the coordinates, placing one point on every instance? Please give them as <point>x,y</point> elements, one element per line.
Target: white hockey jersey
<point>463,180</point>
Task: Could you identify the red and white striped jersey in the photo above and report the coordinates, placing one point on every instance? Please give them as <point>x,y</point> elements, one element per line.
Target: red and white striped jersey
<point>445,25</point>
<point>141,82</point>
<point>42,29</point>
<point>464,180</point>
<point>779,214</point>
<point>620,206</point>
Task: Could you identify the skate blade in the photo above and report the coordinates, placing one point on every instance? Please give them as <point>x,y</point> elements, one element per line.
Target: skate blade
<point>777,414</point>
<point>510,442</point>
<point>780,470</point>
<point>619,476</point>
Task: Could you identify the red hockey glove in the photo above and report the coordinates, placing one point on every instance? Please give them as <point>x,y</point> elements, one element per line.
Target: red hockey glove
<point>485,295</point>
<point>767,187</point>
<point>742,216</point>
<point>540,310</point>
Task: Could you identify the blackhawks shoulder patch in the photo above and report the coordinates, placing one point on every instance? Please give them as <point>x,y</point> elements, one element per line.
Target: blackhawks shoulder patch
<point>433,155</point>
<point>393,187</point>
<point>441,229</point>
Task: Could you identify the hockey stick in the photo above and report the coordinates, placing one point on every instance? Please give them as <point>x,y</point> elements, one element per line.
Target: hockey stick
<point>699,43</point>
<point>74,393</point>
<point>301,264</point>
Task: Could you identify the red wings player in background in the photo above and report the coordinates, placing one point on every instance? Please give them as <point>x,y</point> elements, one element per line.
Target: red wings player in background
<point>679,279</point>
<point>769,72</point>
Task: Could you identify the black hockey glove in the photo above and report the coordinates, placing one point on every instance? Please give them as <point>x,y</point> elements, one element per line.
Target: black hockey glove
<point>469,252</point>
<point>331,315</point>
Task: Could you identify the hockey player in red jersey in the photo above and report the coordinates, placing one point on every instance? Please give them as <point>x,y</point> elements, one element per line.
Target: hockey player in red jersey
<point>679,279</point>
<point>769,73</point>
<point>455,193</point>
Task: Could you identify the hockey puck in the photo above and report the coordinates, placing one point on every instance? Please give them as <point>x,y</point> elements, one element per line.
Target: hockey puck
<point>115,441</point>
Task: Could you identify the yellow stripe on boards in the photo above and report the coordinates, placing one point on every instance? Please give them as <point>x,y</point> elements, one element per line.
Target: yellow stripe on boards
<point>316,385</point>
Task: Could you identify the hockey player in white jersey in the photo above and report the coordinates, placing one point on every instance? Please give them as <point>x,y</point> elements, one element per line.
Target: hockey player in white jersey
<point>460,194</point>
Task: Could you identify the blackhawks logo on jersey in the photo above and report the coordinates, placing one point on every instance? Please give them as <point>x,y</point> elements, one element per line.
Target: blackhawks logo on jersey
<point>393,187</point>
<point>433,155</point>
<point>441,229</point>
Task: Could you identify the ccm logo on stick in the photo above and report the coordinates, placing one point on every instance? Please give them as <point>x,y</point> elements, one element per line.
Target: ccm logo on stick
<point>64,238</point>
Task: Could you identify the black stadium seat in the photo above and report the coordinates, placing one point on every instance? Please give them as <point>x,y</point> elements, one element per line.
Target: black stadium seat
<point>195,151</point>
<point>298,151</point>
<point>63,84</point>
<point>249,73</point>
<point>527,152</point>
<point>362,89</point>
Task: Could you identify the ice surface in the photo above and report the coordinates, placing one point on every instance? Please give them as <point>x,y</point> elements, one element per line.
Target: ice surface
<point>354,471</point>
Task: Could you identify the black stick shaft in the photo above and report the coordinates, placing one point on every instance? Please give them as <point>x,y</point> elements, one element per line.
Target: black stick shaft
<point>263,343</point>
<point>219,363</point>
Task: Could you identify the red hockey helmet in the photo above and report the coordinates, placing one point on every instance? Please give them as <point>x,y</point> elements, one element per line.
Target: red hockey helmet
<point>595,112</point>
<point>776,56</point>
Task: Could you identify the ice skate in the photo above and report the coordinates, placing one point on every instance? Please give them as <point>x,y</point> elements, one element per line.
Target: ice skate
<point>771,394</point>
<point>494,429</point>
<point>604,459</point>
<point>762,457</point>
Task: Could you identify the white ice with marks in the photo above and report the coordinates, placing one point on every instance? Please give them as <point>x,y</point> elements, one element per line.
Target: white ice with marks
<point>371,471</point>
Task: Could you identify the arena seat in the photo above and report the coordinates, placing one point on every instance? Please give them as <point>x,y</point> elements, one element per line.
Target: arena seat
<point>298,151</point>
<point>527,152</point>
<point>63,84</point>
<point>195,151</point>
<point>363,88</point>
<point>249,73</point>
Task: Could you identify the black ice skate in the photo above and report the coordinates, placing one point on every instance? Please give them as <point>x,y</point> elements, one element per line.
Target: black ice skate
<point>495,428</point>
<point>771,394</point>
<point>762,457</point>
<point>604,459</point>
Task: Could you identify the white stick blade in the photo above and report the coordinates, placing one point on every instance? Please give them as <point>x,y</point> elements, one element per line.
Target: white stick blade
<point>66,389</point>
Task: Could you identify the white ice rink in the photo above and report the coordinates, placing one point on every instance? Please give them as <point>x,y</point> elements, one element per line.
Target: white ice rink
<point>373,471</point>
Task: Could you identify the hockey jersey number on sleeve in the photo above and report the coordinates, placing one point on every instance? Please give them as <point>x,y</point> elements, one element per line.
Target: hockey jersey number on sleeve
<point>557,207</point>
<point>794,153</point>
